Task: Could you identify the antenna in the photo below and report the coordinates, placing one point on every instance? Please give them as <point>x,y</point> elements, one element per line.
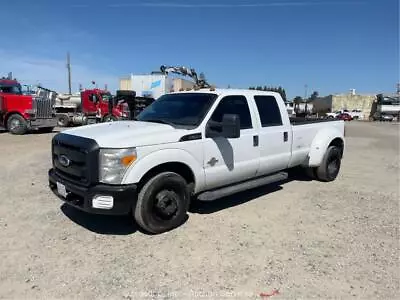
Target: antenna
<point>69,73</point>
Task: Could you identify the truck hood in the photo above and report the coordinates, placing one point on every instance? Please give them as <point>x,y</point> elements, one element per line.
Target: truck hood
<point>123,134</point>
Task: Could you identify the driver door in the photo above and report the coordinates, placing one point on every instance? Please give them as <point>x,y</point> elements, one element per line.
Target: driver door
<point>227,160</point>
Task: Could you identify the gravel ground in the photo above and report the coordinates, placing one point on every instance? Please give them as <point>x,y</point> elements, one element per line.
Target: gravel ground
<point>304,238</point>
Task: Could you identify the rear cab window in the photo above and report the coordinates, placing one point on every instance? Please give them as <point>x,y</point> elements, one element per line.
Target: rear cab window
<point>268,110</point>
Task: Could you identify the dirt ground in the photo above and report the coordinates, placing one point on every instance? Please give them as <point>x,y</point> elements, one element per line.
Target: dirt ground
<point>303,238</point>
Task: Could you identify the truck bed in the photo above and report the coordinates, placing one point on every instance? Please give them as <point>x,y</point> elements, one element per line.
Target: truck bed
<point>304,133</point>
<point>303,121</point>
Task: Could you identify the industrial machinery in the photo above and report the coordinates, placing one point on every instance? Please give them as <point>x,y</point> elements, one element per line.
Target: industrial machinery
<point>200,81</point>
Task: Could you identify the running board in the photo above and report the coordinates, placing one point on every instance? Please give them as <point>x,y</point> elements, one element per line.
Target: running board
<point>242,186</point>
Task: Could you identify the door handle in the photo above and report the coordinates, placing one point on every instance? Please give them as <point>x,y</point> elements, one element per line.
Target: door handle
<point>285,136</point>
<point>255,141</point>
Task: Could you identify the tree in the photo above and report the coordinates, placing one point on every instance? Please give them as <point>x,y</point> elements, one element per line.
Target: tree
<point>284,94</point>
<point>297,100</point>
<point>259,88</point>
<point>314,95</point>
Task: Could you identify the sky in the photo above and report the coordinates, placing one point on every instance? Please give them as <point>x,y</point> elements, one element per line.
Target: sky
<point>331,46</point>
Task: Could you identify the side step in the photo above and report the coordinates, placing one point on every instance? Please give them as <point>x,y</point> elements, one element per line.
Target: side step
<point>242,186</point>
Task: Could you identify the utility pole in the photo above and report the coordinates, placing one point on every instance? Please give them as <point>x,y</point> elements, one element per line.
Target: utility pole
<point>69,73</point>
<point>305,91</point>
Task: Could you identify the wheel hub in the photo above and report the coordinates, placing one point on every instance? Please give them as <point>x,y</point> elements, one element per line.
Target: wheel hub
<point>166,205</point>
<point>15,124</point>
<point>333,166</point>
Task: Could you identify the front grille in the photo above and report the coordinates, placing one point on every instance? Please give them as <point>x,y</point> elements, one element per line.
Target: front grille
<point>82,154</point>
<point>43,108</point>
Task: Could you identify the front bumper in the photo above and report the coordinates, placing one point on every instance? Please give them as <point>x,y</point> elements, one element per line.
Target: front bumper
<point>124,196</point>
<point>39,123</point>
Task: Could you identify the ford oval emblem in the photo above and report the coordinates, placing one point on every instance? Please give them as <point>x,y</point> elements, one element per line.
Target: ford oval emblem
<point>64,161</point>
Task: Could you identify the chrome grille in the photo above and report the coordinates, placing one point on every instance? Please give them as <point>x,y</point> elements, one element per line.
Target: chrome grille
<point>43,108</point>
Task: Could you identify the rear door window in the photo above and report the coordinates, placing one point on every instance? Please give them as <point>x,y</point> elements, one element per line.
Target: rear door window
<point>268,109</point>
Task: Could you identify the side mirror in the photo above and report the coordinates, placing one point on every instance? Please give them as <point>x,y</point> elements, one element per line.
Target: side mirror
<point>228,128</point>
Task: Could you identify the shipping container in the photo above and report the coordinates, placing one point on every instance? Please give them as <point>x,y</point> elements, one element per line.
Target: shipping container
<point>154,85</point>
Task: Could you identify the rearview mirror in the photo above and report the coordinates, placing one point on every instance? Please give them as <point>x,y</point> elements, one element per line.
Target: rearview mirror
<point>228,128</point>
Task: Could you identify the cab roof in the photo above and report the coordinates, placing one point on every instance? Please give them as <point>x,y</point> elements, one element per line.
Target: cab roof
<point>8,81</point>
<point>220,92</point>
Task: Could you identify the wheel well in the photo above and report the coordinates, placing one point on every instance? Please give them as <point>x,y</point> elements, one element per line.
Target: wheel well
<point>176,167</point>
<point>9,115</point>
<point>338,142</point>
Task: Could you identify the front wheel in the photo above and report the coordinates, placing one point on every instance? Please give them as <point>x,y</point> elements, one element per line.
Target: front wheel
<point>162,203</point>
<point>330,166</point>
<point>17,125</point>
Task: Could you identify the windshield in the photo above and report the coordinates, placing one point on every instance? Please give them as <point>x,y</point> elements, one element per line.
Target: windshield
<point>391,101</point>
<point>10,89</point>
<point>106,97</point>
<point>179,109</point>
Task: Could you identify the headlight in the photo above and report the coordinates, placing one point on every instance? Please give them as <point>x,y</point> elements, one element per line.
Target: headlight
<point>114,163</point>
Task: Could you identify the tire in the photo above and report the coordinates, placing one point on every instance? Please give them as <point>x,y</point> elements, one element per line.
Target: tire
<point>63,120</point>
<point>330,166</point>
<point>46,129</point>
<point>165,187</point>
<point>17,125</point>
<point>310,173</point>
<point>110,118</point>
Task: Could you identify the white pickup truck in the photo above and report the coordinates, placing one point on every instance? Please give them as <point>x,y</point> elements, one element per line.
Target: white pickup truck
<point>201,144</point>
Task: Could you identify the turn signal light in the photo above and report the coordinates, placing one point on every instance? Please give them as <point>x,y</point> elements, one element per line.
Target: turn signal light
<point>127,160</point>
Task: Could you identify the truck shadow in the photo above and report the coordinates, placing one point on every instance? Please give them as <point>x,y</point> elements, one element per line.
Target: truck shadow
<point>205,208</point>
<point>125,225</point>
<point>101,224</point>
<point>37,132</point>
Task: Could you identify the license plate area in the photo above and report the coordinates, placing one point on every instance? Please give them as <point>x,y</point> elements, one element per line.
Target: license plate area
<point>61,190</point>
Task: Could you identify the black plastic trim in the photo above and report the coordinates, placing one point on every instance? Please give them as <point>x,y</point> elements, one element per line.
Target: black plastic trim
<point>191,137</point>
<point>84,171</point>
<point>303,121</point>
<point>80,197</point>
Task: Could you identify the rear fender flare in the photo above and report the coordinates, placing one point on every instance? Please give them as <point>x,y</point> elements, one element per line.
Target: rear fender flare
<point>320,144</point>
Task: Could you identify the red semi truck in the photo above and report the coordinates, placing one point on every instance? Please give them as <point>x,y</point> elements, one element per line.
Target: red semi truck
<point>88,107</point>
<point>20,113</point>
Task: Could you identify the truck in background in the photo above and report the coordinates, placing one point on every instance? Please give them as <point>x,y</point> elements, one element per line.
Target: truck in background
<point>387,107</point>
<point>21,112</point>
<point>88,107</point>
